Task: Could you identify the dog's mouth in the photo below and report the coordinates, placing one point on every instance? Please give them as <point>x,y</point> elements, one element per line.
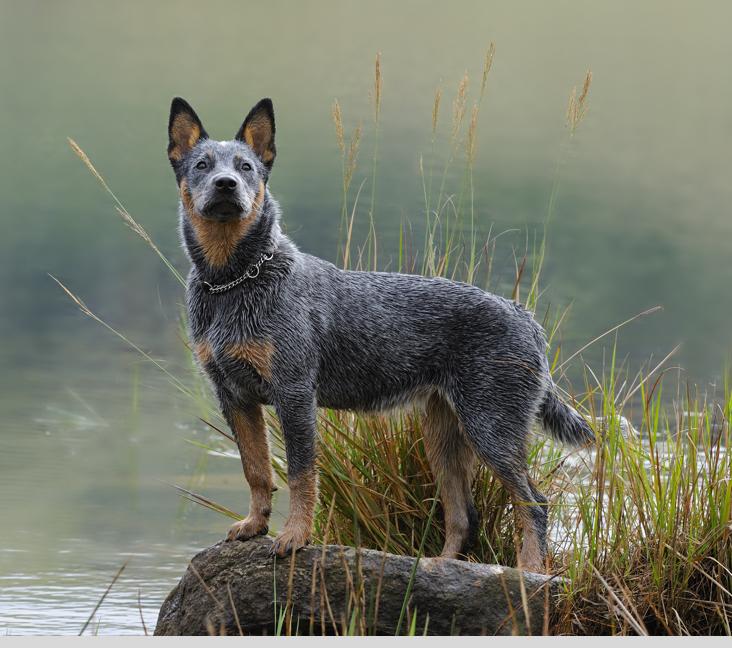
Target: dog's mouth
<point>223,209</point>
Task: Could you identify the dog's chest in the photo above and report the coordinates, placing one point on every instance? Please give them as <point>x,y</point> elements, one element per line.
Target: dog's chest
<point>229,344</point>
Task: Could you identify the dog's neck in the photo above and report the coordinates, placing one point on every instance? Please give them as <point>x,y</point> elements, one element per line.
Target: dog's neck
<point>224,251</point>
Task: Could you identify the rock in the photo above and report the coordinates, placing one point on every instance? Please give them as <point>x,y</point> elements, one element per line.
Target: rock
<point>235,585</point>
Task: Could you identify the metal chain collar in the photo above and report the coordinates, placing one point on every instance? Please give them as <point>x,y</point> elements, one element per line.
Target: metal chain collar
<point>251,273</point>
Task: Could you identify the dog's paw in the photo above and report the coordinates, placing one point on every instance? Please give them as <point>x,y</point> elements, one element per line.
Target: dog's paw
<point>247,528</point>
<point>289,540</point>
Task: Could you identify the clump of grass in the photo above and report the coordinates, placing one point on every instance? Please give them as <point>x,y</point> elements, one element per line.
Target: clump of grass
<point>650,549</point>
<point>641,523</point>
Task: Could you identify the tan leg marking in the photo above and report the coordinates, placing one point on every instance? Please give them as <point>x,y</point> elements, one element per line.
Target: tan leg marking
<point>256,353</point>
<point>452,462</point>
<point>531,558</point>
<point>218,240</point>
<point>253,442</point>
<point>299,525</point>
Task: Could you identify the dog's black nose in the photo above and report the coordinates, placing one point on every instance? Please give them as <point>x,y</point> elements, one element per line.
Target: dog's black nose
<point>225,183</point>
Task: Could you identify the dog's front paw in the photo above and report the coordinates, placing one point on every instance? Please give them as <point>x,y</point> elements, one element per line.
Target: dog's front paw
<point>290,539</point>
<point>247,528</point>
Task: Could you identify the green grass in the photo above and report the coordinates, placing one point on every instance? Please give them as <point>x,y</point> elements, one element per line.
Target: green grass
<point>641,524</point>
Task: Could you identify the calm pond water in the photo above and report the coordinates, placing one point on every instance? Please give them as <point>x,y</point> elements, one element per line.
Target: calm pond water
<point>91,436</point>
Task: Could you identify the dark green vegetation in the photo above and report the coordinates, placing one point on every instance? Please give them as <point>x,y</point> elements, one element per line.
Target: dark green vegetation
<point>641,524</point>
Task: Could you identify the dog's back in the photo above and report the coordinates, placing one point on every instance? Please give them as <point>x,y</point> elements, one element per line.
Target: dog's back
<point>381,339</point>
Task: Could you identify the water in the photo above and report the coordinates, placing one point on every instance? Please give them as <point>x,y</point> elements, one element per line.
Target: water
<point>90,434</point>
<point>59,600</point>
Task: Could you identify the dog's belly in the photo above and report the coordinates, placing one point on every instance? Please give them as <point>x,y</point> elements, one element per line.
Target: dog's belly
<point>375,394</point>
<point>377,402</point>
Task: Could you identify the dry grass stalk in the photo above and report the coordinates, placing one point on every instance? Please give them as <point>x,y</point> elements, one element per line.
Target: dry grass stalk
<point>85,159</point>
<point>436,110</point>
<point>352,157</point>
<point>377,87</point>
<point>338,121</point>
<point>458,106</point>
<point>472,132</point>
<point>487,65</point>
<point>122,210</point>
<point>577,106</point>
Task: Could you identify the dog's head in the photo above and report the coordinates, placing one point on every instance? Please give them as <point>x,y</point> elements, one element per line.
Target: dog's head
<point>221,181</point>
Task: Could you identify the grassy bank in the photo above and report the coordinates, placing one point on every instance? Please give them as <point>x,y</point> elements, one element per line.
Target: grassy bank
<point>641,523</point>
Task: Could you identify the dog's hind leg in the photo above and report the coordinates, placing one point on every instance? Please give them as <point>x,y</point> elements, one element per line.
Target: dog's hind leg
<point>500,442</point>
<point>531,508</point>
<point>452,461</point>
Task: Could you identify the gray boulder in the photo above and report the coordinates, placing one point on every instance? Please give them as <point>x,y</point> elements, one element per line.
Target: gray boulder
<point>236,587</point>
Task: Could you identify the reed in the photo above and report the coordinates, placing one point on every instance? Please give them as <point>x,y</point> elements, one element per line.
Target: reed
<point>371,240</point>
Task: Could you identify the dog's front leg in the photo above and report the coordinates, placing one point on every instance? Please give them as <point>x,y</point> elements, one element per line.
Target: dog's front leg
<point>247,423</point>
<point>296,411</point>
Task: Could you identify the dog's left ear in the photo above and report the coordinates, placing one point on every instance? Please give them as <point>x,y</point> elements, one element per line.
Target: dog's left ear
<point>258,131</point>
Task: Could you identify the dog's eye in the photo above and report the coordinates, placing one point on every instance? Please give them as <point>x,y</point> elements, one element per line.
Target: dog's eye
<point>202,164</point>
<point>245,166</point>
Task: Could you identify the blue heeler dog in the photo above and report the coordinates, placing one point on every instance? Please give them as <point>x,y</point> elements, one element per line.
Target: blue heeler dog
<point>273,326</point>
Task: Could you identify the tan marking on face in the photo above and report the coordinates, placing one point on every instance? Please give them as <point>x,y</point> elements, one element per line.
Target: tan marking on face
<point>218,240</point>
<point>184,133</point>
<point>253,443</point>
<point>256,353</point>
<point>203,352</point>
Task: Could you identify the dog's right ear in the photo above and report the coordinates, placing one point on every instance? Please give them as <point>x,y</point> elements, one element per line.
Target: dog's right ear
<point>184,130</point>
<point>258,131</point>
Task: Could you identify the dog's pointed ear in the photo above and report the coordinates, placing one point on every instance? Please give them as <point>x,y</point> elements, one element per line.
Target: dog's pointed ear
<point>184,130</point>
<point>258,131</point>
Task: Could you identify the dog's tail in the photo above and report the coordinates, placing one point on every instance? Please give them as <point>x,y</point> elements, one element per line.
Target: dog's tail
<point>563,422</point>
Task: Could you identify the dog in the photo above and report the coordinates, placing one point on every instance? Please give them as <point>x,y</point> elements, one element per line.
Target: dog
<point>270,325</point>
